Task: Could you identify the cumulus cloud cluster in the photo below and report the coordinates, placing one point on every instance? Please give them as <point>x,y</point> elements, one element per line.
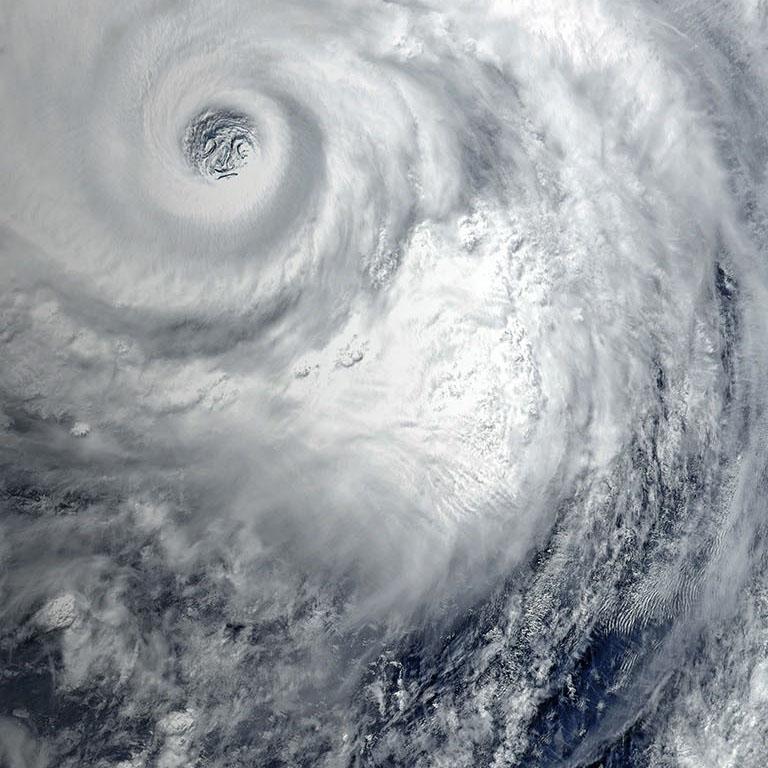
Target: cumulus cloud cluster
<point>383,383</point>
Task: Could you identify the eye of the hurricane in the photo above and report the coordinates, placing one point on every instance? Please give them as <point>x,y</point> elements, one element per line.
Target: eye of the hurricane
<point>219,144</point>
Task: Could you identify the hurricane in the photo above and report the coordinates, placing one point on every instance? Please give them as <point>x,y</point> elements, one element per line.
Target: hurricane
<point>383,384</point>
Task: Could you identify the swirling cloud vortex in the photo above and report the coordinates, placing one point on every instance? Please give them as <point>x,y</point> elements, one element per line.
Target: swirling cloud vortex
<point>384,383</point>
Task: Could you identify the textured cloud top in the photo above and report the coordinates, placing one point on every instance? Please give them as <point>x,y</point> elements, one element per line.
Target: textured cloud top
<point>383,384</point>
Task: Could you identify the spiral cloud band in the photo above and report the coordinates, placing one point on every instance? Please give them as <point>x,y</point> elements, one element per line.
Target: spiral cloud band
<point>384,383</point>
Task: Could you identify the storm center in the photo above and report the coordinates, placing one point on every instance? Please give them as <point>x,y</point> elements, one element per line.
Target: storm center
<point>219,143</point>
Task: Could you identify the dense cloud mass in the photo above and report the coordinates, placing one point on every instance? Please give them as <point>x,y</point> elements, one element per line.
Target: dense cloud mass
<point>383,383</point>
